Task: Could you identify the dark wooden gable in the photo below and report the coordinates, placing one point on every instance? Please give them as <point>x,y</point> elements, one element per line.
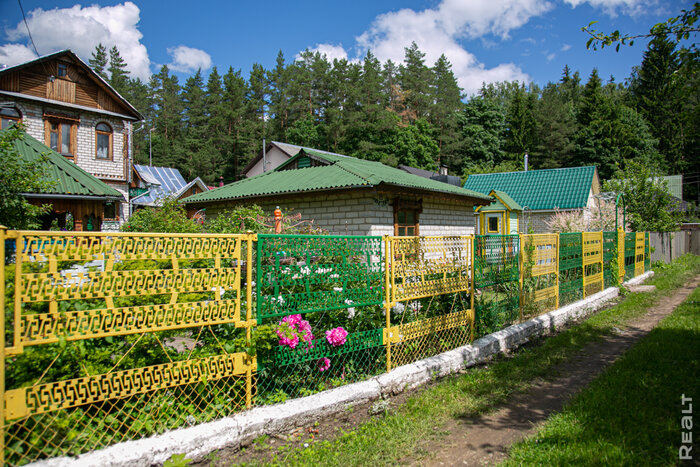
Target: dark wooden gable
<point>77,85</point>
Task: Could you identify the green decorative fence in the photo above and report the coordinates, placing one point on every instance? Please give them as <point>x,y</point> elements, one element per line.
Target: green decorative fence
<point>156,332</point>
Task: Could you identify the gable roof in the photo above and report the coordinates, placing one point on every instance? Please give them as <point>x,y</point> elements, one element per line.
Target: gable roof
<point>566,188</point>
<point>164,181</point>
<point>71,180</point>
<point>289,149</point>
<point>101,82</point>
<point>335,172</point>
<point>501,202</point>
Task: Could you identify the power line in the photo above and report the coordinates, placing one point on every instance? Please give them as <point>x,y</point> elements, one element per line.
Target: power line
<point>24,17</point>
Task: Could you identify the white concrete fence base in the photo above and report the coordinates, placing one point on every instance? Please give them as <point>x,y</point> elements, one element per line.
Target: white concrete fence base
<point>197,441</point>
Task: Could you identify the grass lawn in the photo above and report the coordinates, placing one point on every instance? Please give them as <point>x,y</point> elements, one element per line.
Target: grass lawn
<point>631,414</point>
<point>391,439</point>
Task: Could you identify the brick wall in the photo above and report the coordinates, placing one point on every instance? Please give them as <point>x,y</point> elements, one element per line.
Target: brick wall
<point>112,171</point>
<point>364,214</point>
<point>33,118</point>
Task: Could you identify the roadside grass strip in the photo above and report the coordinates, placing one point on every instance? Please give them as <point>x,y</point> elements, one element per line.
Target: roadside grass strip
<point>405,434</point>
<point>632,413</point>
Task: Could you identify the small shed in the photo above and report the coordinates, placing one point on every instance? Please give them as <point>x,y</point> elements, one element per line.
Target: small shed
<point>501,217</point>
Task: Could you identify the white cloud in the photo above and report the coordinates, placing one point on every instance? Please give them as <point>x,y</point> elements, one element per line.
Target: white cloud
<point>612,7</point>
<point>551,56</point>
<point>186,59</point>
<point>14,54</point>
<point>440,29</point>
<point>81,29</point>
<point>565,47</point>
<point>330,51</point>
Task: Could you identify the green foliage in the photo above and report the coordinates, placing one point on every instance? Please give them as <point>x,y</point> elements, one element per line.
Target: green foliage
<point>240,219</point>
<point>19,176</point>
<point>413,113</point>
<point>678,27</point>
<point>170,217</point>
<point>650,206</point>
<point>177,460</point>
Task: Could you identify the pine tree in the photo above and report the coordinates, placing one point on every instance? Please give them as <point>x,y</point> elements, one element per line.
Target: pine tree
<point>98,62</point>
<point>415,79</point>
<point>234,114</point>
<point>656,94</point>
<point>118,74</point>
<point>278,79</point>
<point>446,103</point>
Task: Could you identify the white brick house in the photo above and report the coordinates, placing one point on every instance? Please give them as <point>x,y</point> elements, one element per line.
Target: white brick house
<point>63,103</point>
<point>349,196</point>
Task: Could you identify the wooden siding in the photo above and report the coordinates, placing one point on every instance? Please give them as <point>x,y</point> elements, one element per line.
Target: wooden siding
<point>76,87</point>
<point>10,82</point>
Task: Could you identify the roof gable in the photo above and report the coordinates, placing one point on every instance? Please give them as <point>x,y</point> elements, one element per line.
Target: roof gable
<point>47,66</point>
<point>70,179</point>
<point>164,181</point>
<point>333,172</point>
<point>566,188</point>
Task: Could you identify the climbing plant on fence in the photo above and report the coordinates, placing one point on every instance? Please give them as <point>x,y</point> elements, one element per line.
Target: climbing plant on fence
<point>113,337</point>
<point>497,279</point>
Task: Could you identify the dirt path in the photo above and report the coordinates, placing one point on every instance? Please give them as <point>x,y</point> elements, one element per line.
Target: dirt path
<point>485,440</point>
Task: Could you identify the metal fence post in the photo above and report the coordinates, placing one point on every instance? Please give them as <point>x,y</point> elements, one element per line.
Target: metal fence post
<point>2,345</point>
<point>620,255</point>
<point>387,300</point>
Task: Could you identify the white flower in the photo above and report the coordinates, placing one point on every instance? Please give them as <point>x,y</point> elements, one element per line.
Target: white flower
<point>399,308</point>
<point>351,312</point>
<point>337,289</point>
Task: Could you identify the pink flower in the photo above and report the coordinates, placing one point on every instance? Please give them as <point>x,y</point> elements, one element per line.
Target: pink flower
<point>336,337</point>
<point>324,364</point>
<point>292,329</point>
<point>292,320</point>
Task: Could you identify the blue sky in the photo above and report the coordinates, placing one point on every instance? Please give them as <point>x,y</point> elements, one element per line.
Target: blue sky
<point>485,40</point>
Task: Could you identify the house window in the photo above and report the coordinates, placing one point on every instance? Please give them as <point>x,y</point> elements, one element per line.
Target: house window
<point>406,218</point>
<point>60,138</point>
<point>103,141</point>
<point>61,134</point>
<point>492,226</point>
<point>111,210</point>
<point>9,116</point>
<point>62,70</point>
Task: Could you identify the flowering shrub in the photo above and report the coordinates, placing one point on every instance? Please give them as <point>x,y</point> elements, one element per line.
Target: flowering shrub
<point>324,364</point>
<point>336,337</point>
<point>292,329</point>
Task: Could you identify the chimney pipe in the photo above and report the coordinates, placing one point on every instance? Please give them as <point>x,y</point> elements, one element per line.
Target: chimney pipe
<point>221,181</point>
<point>264,157</point>
<point>526,157</point>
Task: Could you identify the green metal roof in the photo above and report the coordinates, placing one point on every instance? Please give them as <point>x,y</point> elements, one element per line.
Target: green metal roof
<point>566,188</point>
<point>337,172</point>
<point>509,202</point>
<point>70,179</point>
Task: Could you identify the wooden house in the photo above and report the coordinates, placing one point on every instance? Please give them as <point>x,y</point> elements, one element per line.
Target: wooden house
<point>66,105</point>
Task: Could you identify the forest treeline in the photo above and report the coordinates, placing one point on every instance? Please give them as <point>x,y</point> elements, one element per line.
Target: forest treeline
<point>415,113</point>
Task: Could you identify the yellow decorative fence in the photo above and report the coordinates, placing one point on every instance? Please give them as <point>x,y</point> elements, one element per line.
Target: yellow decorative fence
<point>428,267</point>
<point>110,337</point>
<point>592,263</point>
<point>539,277</point>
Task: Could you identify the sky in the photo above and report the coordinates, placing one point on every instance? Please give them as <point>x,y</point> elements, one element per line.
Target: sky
<point>484,40</point>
